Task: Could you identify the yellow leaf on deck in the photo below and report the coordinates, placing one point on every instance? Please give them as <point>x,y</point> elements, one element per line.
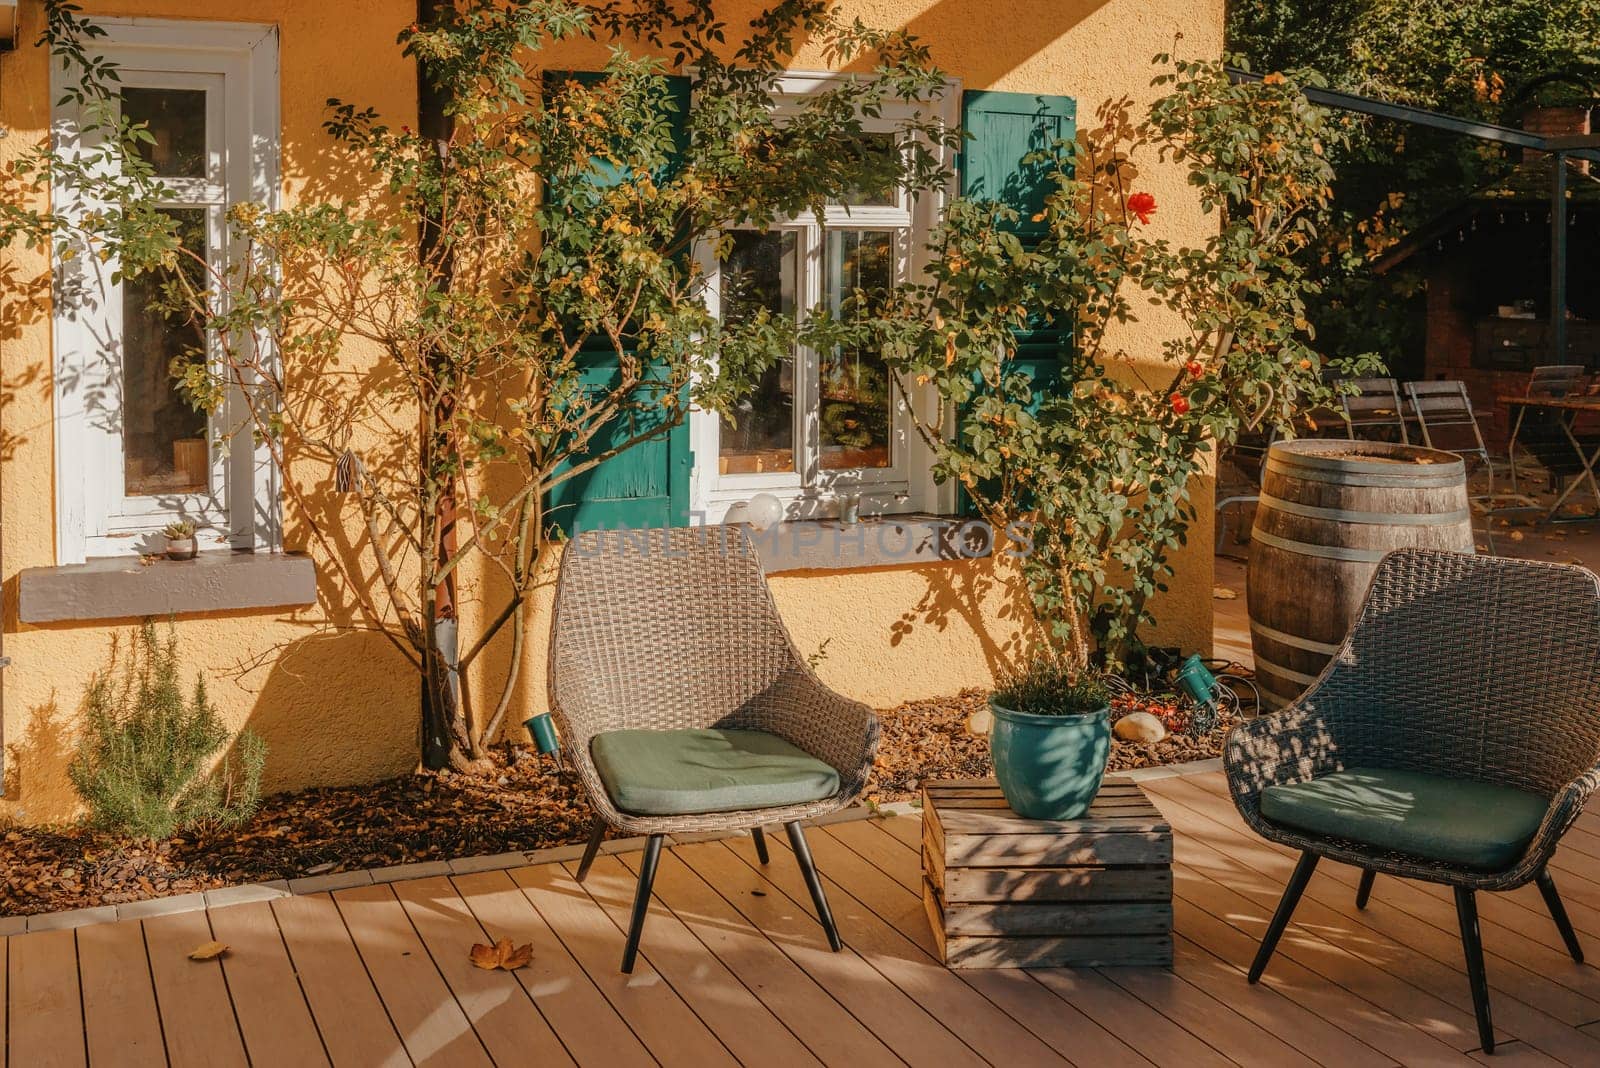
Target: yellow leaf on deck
<point>502,955</point>
<point>208,951</point>
<point>1223,593</point>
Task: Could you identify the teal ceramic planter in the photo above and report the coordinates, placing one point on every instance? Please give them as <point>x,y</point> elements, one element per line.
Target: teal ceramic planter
<point>1049,767</point>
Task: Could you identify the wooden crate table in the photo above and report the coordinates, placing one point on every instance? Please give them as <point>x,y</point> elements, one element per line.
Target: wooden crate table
<point>1007,892</point>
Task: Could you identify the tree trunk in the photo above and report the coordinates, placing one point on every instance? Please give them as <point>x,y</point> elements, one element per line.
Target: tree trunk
<point>444,730</point>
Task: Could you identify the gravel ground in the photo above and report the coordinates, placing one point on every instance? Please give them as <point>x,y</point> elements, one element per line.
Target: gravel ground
<point>527,804</point>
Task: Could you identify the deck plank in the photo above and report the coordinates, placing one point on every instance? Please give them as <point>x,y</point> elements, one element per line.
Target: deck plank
<point>1271,1010</point>
<point>1377,1028</point>
<point>273,1015</point>
<point>431,1023</point>
<point>1071,1033</point>
<point>121,1022</point>
<point>46,1009</point>
<point>749,1030</point>
<point>882,1008</point>
<point>500,1010</point>
<point>827,1029</point>
<point>966,1013</point>
<point>735,970</point>
<point>197,1018</point>
<point>586,1025</point>
<point>350,1016</point>
<point>655,1011</point>
<point>1213,1021</point>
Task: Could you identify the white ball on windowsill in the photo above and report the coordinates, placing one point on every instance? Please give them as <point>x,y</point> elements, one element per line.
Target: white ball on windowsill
<point>763,511</point>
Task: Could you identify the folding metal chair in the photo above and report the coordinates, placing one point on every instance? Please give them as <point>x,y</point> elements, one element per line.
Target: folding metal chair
<point>1547,434</point>
<point>1248,455</point>
<point>1443,411</point>
<point>1373,404</point>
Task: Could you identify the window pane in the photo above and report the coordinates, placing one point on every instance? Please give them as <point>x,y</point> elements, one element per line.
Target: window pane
<point>762,272</point>
<point>882,168</point>
<point>164,444</point>
<point>854,385</point>
<point>176,118</point>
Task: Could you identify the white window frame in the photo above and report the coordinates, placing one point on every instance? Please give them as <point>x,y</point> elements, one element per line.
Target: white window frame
<point>238,66</point>
<point>809,491</point>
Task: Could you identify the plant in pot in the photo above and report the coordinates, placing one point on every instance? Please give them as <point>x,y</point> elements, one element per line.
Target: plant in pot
<point>180,540</point>
<point>1051,737</point>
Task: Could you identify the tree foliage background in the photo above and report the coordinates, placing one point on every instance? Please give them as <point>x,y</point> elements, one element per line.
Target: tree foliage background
<point>1484,59</point>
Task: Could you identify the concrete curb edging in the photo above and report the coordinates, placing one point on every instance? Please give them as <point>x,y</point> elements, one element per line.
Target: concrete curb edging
<point>342,880</point>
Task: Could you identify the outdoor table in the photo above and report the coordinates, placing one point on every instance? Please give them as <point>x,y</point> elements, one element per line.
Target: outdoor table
<point>1566,409</point>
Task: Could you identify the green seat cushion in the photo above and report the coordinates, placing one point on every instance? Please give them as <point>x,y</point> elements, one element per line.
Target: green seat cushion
<point>1434,817</point>
<point>673,773</point>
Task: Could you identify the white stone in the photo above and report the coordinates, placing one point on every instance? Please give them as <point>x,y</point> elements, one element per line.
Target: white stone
<point>1140,727</point>
<point>980,722</point>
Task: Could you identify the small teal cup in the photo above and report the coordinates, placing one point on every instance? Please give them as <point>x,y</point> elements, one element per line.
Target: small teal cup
<point>543,729</point>
<point>1049,767</point>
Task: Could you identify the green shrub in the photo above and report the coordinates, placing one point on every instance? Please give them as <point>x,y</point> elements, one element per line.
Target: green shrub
<point>1051,685</point>
<point>143,766</point>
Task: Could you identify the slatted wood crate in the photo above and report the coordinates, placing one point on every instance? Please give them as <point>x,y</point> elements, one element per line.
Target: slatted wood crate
<point>1007,892</point>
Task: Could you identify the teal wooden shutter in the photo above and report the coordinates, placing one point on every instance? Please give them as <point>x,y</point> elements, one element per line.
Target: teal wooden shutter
<point>1003,129</point>
<point>646,485</point>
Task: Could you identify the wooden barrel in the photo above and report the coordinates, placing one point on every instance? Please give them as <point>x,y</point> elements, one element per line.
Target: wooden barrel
<point>1329,511</point>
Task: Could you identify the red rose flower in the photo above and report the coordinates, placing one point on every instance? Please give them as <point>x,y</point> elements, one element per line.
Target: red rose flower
<point>1195,368</point>
<point>1142,206</point>
<point>1180,403</point>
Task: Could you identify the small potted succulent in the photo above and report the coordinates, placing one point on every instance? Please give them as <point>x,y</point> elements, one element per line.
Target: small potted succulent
<point>180,540</point>
<point>1051,738</point>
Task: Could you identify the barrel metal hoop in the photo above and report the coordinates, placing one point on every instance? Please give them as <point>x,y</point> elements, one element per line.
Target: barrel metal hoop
<point>1387,519</point>
<point>1319,552</point>
<point>1451,465</point>
<point>1281,638</point>
<point>1373,476</point>
<point>1277,669</point>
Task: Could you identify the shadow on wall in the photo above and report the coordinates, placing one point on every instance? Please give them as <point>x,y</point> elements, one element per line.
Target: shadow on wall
<point>335,709</point>
<point>36,766</point>
<point>987,39</point>
<point>965,596</point>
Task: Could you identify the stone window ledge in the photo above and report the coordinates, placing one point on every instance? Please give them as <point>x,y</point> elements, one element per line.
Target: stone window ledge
<point>876,541</point>
<point>130,588</point>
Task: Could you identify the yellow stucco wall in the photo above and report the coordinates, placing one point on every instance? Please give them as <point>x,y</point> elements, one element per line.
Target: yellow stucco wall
<point>341,707</point>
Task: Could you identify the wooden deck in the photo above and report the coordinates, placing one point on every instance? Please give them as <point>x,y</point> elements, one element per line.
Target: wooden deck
<point>735,971</point>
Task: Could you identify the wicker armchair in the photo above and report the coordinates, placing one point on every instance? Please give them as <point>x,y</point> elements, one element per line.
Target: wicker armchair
<point>1476,669</point>
<point>675,630</point>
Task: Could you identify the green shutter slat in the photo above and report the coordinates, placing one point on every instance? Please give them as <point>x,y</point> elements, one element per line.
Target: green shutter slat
<point>1003,129</point>
<point>646,485</point>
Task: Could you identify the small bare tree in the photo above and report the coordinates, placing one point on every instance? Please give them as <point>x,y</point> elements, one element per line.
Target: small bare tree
<point>501,301</point>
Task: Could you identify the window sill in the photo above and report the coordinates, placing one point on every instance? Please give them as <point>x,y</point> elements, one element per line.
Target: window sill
<point>876,541</point>
<point>129,588</point>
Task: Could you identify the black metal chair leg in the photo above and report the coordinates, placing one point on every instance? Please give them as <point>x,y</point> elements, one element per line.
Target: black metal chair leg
<point>1364,891</point>
<point>1280,919</point>
<point>1558,912</point>
<point>761,844</point>
<point>808,868</point>
<point>1467,913</point>
<point>597,834</point>
<point>641,900</point>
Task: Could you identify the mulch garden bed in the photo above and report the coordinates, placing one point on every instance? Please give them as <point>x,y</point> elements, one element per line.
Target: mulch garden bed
<point>526,804</point>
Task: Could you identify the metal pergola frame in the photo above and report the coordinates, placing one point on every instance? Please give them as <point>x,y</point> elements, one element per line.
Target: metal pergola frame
<point>1561,149</point>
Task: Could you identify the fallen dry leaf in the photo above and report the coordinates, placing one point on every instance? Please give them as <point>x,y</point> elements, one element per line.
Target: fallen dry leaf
<point>208,951</point>
<point>1223,593</point>
<point>502,955</point>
